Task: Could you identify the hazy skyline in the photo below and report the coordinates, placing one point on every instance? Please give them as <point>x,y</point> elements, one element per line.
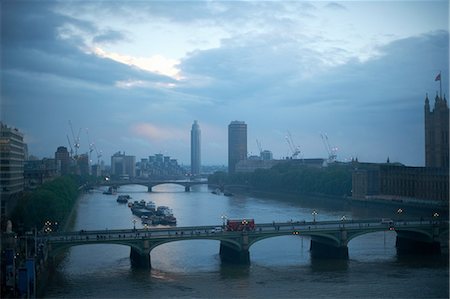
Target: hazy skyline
<point>137,74</point>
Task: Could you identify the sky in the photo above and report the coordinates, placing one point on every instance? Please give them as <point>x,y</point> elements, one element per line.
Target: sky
<point>133,76</point>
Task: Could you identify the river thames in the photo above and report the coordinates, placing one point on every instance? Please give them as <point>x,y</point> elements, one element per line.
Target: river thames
<point>280,267</point>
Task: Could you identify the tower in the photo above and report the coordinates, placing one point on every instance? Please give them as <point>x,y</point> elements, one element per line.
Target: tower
<point>436,133</point>
<point>237,144</point>
<point>195,148</point>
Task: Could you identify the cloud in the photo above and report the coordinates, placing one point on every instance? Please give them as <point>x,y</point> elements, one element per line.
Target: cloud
<point>157,133</point>
<point>157,64</point>
<point>32,42</point>
<point>109,36</point>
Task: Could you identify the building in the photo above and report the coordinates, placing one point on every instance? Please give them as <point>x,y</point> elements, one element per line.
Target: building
<point>161,167</point>
<point>237,144</point>
<point>37,172</point>
<point>266,155</point>
<point>436,133</point>
<point>123,166</point>
<point>63,160</point>
<point>83,166</point>
<point>11,166</point>
<point>400,183</point>
<point>195,149</point>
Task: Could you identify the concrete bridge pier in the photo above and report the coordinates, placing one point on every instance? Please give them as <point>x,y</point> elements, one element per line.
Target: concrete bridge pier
<point>149,189</point>
<point>322,247</point>
<point>187,189</point>
<point>231,254</point>
<point>140,259</point>
<point>408,242</point>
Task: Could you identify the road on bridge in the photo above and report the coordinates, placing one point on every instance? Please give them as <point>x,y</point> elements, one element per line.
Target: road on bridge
<point>295,227</point>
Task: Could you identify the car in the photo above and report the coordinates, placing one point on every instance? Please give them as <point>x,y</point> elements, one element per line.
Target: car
<point>217,229</point>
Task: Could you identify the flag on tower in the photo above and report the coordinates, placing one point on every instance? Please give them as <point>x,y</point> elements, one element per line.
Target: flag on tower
<point>438,77</point>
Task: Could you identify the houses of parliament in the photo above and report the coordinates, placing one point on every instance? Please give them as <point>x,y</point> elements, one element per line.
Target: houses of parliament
<point>421,185</point>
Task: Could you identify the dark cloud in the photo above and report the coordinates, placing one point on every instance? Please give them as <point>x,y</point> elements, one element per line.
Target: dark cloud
<point>31,42</point>
<point>109,36</point>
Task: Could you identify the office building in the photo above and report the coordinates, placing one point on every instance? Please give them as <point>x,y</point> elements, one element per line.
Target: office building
<point>195,149</point>
<point>11,165</point>
<point>123,166</point>
<point>237,144</point>
<point>63,160</point>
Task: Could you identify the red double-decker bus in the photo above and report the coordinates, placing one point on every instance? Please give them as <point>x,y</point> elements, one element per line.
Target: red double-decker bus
<point>240,225</point>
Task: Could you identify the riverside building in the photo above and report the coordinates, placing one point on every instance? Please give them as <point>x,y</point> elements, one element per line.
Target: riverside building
<point>237,144</point>
<point>11,165</point>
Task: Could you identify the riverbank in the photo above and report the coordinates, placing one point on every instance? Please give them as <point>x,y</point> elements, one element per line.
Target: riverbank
<point>344,201</point>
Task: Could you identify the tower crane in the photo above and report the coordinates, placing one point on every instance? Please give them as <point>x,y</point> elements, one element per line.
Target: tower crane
<point>76,140</point>
<point>70,145</point>
<point>258,143</point>
<point>332,151</point>
<point>99,153</point>
<point>294,149</point>
<point>91,145</point>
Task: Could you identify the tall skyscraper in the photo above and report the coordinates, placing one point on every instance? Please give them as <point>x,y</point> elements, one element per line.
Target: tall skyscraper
<point>237,144</point>
<point>11,162</point>
<point>195,148</point>
<point>436,133</point>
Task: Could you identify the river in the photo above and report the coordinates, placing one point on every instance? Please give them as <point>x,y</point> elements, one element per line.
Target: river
<point>280,267</point>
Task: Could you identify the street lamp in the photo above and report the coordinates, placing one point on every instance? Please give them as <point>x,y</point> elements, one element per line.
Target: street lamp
<point>314,213</point>
<point>399,213</point>
<point>435,216</point>
<point>134,224</point>
<point>343,218</point>
<point>223,219</point>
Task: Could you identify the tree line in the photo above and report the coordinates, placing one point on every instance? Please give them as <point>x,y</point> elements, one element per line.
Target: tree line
<point>52,201</point>
<point>334,180</point>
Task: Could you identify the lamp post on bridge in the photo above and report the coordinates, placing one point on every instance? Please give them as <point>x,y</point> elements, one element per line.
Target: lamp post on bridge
<point>399,213</point>
<point>343,218</point>
<point>435,217</point>
<point>223,220</point>
<point>314,213</point>
<point>134,224</point>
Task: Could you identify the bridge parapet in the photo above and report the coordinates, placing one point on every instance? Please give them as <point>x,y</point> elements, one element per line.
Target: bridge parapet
<point>328,238</point>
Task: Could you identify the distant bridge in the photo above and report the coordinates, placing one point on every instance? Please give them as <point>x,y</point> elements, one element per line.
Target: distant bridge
<point>329,239</point>
<point>150,183</point>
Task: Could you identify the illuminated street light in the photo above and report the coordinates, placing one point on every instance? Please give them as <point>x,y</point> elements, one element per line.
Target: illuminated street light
<point>223,219</point>
<point>343,218</point>
<point>435,216</point>
<point>134,224</point>
<point>314,213</point>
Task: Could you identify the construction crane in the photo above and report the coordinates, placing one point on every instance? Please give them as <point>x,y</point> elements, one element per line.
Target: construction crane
<point>331,151</point>
<point>99,154</point>
<point>70,145</point>
<point>76,140</point>
<point>91,145</point>
<point>259,147</point>
<point>294,149</point>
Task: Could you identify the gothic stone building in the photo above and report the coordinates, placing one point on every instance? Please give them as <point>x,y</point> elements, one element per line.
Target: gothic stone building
<point>397,182</point>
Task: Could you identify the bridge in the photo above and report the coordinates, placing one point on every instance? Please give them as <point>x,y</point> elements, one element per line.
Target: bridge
<point>329,239</point>
<point>150,183</point>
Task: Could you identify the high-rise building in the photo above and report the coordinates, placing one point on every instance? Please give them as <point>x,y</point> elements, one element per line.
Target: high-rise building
<point>195,149</point>
<point>62,158</point>
<point>123,166</point>
<point>237,144</point>
<point>11,165</point>
<point>436,133</point>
